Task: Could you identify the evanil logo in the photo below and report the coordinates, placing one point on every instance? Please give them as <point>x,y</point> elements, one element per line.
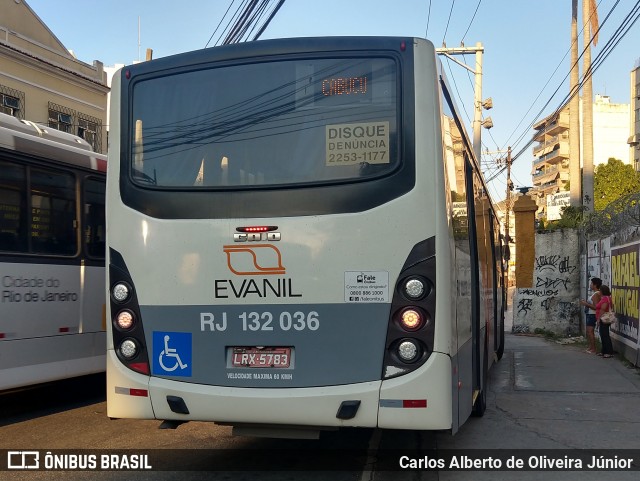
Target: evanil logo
<point>256,265</point>
<point>258,259</point>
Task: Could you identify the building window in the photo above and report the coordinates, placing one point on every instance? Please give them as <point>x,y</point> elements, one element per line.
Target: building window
<point>76,123</point>
<point>61,118</point>
<point>11,102</point>
<point>90,129</point>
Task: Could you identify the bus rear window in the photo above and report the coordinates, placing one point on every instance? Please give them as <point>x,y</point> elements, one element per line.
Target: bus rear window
<point>266,124</point>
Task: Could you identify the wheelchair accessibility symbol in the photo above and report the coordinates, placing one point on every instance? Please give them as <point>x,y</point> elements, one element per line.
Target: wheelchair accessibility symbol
<point>172,353</point>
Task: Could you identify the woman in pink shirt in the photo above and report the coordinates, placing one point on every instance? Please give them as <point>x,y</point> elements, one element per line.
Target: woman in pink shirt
<point>604,305</point>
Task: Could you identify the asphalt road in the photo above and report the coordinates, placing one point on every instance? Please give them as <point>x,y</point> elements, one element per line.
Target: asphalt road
<point>542,396</point>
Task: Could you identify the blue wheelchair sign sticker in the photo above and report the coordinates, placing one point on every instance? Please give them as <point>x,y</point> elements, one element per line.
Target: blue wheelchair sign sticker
<point>172,353</point>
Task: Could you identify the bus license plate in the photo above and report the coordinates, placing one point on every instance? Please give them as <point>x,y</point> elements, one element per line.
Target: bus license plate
<point>279,357</point>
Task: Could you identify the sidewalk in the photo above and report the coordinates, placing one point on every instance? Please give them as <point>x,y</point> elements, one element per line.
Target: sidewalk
<point>545,365</point>
<point>546,395</point>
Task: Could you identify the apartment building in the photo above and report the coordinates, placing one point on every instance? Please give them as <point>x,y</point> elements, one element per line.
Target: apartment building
<point>551,164</point>
<point>43,82</point>
<point>634,139</point>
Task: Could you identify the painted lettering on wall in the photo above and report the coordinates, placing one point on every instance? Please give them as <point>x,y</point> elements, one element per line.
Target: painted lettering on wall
<point>625,288</point>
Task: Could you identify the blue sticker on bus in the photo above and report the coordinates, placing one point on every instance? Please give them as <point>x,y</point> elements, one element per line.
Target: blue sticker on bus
<point>172,353</point>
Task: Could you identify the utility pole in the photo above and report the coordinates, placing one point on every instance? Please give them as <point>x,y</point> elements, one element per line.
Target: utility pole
<point>508,198</point>
<point>575,175</point>
<point>589,19</point>
<point>478,104</point>
<point>507,211</point>
<point>507,202</point>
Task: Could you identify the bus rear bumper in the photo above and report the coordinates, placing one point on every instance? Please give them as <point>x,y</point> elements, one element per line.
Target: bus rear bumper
<point>316,406</point>
<point>420,400</point>
<point>127,391</point>
<point>133,395</point>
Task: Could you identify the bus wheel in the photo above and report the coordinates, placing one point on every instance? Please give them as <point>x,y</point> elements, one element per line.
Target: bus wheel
<point>500,351</point>
<point>480,404</point>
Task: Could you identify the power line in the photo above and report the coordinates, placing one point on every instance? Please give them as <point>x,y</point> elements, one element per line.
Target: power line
<point>220,22</point>
<point>249,19</point>
<point>599,58</point>
<point>526,131</point>
<point>617,36</point>
<point>426,32</point>
<point>233,19</point>
<point>453,2</point>
<point>268,21</point>
<point>471,22</point>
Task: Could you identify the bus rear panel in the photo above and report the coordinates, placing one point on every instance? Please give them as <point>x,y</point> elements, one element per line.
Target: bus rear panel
<point>280,239</point>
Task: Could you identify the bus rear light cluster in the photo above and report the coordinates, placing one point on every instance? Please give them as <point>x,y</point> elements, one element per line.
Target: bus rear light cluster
<point>411,330</point>
<point>127,330</point>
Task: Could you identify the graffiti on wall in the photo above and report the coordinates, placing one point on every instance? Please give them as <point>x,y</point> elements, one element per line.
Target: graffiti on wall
<point>553,277</point>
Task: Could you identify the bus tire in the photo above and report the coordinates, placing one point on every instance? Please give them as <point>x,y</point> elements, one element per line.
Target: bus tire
<point>480,405</point>
<point>500,351</point>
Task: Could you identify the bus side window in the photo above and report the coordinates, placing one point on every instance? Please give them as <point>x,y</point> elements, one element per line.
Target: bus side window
<point>53,216</point>
<point>94,218</point>
<point>13,208</point>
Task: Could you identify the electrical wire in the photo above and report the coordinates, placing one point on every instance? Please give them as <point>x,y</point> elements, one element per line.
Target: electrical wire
<point>471,22</point>
<point>617,36</point>
<point>526,131</point>
<point>220,22</point>
<point>426,32</point>
<point>232,21</point>
<point>453,2</point>
<point>268,21</point>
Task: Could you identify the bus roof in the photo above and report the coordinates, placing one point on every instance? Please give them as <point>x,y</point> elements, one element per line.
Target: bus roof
<point>51,144</point>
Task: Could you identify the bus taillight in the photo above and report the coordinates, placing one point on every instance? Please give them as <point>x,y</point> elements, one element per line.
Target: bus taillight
<point>129,349</point>
<point>415,288</point>
<point>121,292</point>
<point>409,350</point>
<point>125,320</point>
<point>411,319</point>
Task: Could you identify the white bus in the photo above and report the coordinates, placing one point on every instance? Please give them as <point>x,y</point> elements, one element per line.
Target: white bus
<point>284,252</point>
<point>52,245</point>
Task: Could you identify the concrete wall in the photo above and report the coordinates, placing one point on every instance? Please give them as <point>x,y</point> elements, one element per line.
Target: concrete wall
<point>551,303</point>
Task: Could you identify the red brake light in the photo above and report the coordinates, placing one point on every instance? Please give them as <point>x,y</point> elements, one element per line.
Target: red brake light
<point>141,367</point>
<point>257,228</point>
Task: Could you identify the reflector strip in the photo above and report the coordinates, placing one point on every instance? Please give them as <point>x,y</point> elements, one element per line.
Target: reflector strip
<point>414,403</point>
<point>63,329</point>
<point>132,392</point>
<point>2,335</point>
<point>403,403</point>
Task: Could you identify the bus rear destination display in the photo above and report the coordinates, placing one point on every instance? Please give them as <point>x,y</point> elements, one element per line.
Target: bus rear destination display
<point>344,86</point>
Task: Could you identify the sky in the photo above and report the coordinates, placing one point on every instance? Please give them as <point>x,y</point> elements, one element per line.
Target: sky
<point>526,45</point>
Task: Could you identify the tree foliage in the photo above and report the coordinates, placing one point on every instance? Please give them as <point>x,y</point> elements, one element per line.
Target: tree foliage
<point>613,180</point>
